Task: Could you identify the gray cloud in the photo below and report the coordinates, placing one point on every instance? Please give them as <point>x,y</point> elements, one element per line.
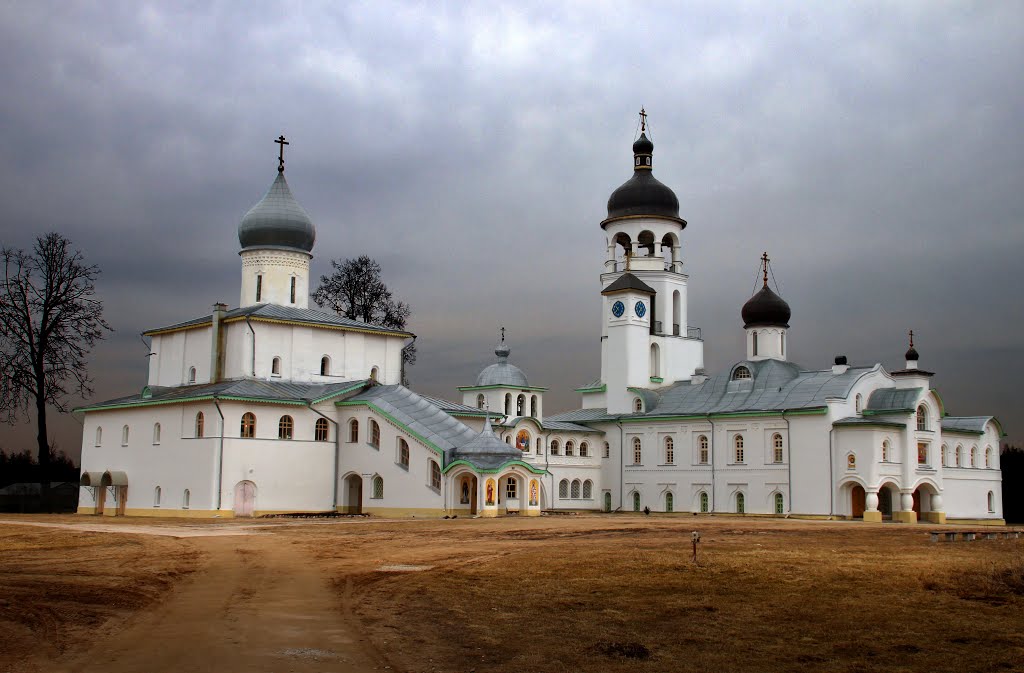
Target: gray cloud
<point>873,148</point>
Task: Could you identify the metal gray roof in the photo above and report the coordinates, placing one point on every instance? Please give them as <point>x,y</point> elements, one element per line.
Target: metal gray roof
<point>502,374</point>
<point>975,425</point>
<point>549,425</point>
<point>486,451</point>
<point>628,281</point>
<point>893,399</point>
<point>242,389</point>
<point>277,221</point>
<point>311,316</point>
<point>582,416</point>
<point>454,408</point>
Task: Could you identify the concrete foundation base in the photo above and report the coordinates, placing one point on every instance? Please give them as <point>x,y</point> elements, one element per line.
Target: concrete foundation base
<point>873,517</point>
<point>909,516</point>
<point>934,517</point>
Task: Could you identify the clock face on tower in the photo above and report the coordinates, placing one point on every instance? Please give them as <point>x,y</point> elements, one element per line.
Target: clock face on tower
<point>618,308</point>
<point>640,309</point>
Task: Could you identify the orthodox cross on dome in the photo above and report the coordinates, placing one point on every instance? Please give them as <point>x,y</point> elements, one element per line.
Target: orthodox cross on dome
<point>911,334</point>
<point>280,157</point>
<point>643,120</point>
<point>502,334</point>
<point>764,266</point>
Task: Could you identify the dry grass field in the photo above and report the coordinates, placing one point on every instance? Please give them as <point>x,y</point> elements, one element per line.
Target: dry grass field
<point>611,593</point>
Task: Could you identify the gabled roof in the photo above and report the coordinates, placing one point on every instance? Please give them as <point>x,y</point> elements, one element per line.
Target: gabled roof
<point>247,390</point>
<point>283,314</point>
<point>626,282</point>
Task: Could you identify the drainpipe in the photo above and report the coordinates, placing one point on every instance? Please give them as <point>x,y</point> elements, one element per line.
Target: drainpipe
<point>831,477</point>
<point>712,448</point>
<point>220,452</point>
<point>253,345</point>
<point>789,465</point>
<point>337,452</point>
<point>622,465</point>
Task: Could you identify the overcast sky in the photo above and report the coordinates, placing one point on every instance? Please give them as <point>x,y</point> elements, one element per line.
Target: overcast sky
<point>875,150</point>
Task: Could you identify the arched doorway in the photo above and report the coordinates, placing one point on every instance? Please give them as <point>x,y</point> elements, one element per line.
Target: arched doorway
<point>885,502</point>
<point>607,501</point>
<point>468,492</point>
<point>245,498</point>
<point>353,494</point>
<point>510,493</point>
<point>857,501</point>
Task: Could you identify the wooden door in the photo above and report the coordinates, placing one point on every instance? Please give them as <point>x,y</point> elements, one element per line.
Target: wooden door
<point>122,499</point>
<point>917,503</point>
<point>607,502</point>
<point>101,498</point>
<point>245,498</point>
<point>473,496</point>
<point>858,501</point>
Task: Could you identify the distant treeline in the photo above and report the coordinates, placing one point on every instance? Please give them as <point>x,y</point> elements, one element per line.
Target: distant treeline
<point>21,467</point>
<point>1012,464</point>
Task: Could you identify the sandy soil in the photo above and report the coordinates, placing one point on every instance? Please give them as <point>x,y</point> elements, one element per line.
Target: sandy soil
<point>609,593</point>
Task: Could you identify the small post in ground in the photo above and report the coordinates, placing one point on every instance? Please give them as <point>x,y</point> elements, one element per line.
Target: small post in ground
<point>695,538</point>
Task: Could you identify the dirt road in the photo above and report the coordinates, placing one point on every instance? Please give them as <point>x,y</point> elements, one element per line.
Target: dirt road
<point>256,604</point>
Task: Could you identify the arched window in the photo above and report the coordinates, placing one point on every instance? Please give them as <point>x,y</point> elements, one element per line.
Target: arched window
<point>186,498</point>
<point>858,401</point>
<point>988,456</point>
<point>779,504</point>
<point>480,401</point>
<point>191,374</point>
<point>563,489</point>
<point>554,447</point>
<point>753,336</point>
<point>738,445</point>
<point>248,425</point>
<point>702,445</point>
<point>374,373</point>
<point>885,451</point>
<point>435,475</point>
<point>740,503</point>
<point>638,453</point>
<point>655,360</point>
<point>156,496</point>
<point>99,435</point>
<point>943,456</point>
<point>124,436</point>
<point>740,373</point>
<point>670,453</point>
<point>156,433</point>
<point>636,501</point>
<point>325,366</point>
<point>607,450</point>
<point>575,489</point>
<point>533,406</point>
<point>403,453</point>
<point>285,427</point>
<point>353,431</point>
<point>777,448</point>
<point>200,424</point>
<point>958,457</point>
<point>521,405</point>
<point>638,405</point>
<point>570,448</point>
<point>508,404</point>
<point>588,490</point>
<point>974,456</point>
<point>991,501</point>
<point>922,418</point>
<point>668,502</point>
<point>275,366</point>
<point>508,439</point>
<point>374,434</point>
<point>704,502</point>
<point>584,449</point>
<point>378,487</point>
<point>320,430</point>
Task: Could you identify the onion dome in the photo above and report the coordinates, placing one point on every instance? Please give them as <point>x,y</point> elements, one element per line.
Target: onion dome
<point>766,309</point>
<point>277,221</point>
<point>643,194</point>
<point>502,372</point>
<point>486,451</point>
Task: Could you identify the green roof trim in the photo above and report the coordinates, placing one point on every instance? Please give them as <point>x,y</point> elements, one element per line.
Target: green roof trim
<point>530,388</point>
<point>595,389</point>
<point>870,424</point>
<point>657,379</point>
<point>355,386</point>
<point>501,468</point>
<point>813,411</point>
<point>956,431</point>
<point>420,438</point>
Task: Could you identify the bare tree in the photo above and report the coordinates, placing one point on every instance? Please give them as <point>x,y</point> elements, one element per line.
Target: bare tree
<point>49,321</point>
<point>355,290</point>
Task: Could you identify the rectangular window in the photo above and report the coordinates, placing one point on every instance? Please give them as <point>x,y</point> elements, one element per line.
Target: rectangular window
<point>259,286</point>
<point>510,489</point>
<point>293,289</point>
<point>922,454</point>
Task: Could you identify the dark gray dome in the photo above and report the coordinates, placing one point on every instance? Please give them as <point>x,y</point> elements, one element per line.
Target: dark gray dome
<point>486,451</point>
<point>766,309</point>
<point>502,372</point>
<point>277,221</point>
<point>643,194</point>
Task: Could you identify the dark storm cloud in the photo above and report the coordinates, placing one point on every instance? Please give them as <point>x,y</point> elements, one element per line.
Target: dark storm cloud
<point>874,150</point>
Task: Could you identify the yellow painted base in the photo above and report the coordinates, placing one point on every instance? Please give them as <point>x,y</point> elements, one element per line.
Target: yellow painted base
<point>909,516</point>
<point>531,512</point>
<point>873,517</point>
<point>977,522</point>
<point>488,513</point>
<point>408,512</point>
<point>934,517</point>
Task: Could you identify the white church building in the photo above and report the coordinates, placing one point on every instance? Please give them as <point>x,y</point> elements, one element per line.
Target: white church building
<point>276,407</point>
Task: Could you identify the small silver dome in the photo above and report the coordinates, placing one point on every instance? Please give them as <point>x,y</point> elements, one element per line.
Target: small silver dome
<point>277,221</point>
<point>502,372</point>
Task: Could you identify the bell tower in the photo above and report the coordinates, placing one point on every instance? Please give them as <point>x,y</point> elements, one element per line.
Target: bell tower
<point>649,344</point>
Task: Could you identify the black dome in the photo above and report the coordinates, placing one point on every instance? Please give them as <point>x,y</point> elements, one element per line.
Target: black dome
<point>766,309</point>
<point>912,354</point>
<point>643,145</point>
<point>643,194</point>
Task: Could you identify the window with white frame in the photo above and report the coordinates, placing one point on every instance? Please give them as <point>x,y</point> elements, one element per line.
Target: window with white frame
<point>378,487</point>
<point>974,456</point>
<point>563,489</point>
<point>638,453</point>
<point>248,429</point>
<point>958,456</point>
<point>670,452</point>
<point>403,453</point>
<point>988,456</point>
<point>777,448</point>
<point>570,448</point>
<point>740,373</point>
<point>922,418</point>
<point>554,447</point>
<point>741,503</point>
<point>737,443</point>
<point>285,427</point>
<point>702,447</point>
<point>512,489</point>
<point>374,434</point>
<point>353,431</point>
<point>575,489</point>
<point>584,449</point>
<point>704,502</point>
<point>588,490</point>
<point>481,401</point>
<point>944,451</point>
<point>435,475</point>
<point>638,405</point>
<point>200,425</point>
<point>321,430</point>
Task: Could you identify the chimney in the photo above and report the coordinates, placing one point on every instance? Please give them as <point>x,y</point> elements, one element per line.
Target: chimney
<point>840,365</point>
<point>217,343</point>
<point>698,377</point>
